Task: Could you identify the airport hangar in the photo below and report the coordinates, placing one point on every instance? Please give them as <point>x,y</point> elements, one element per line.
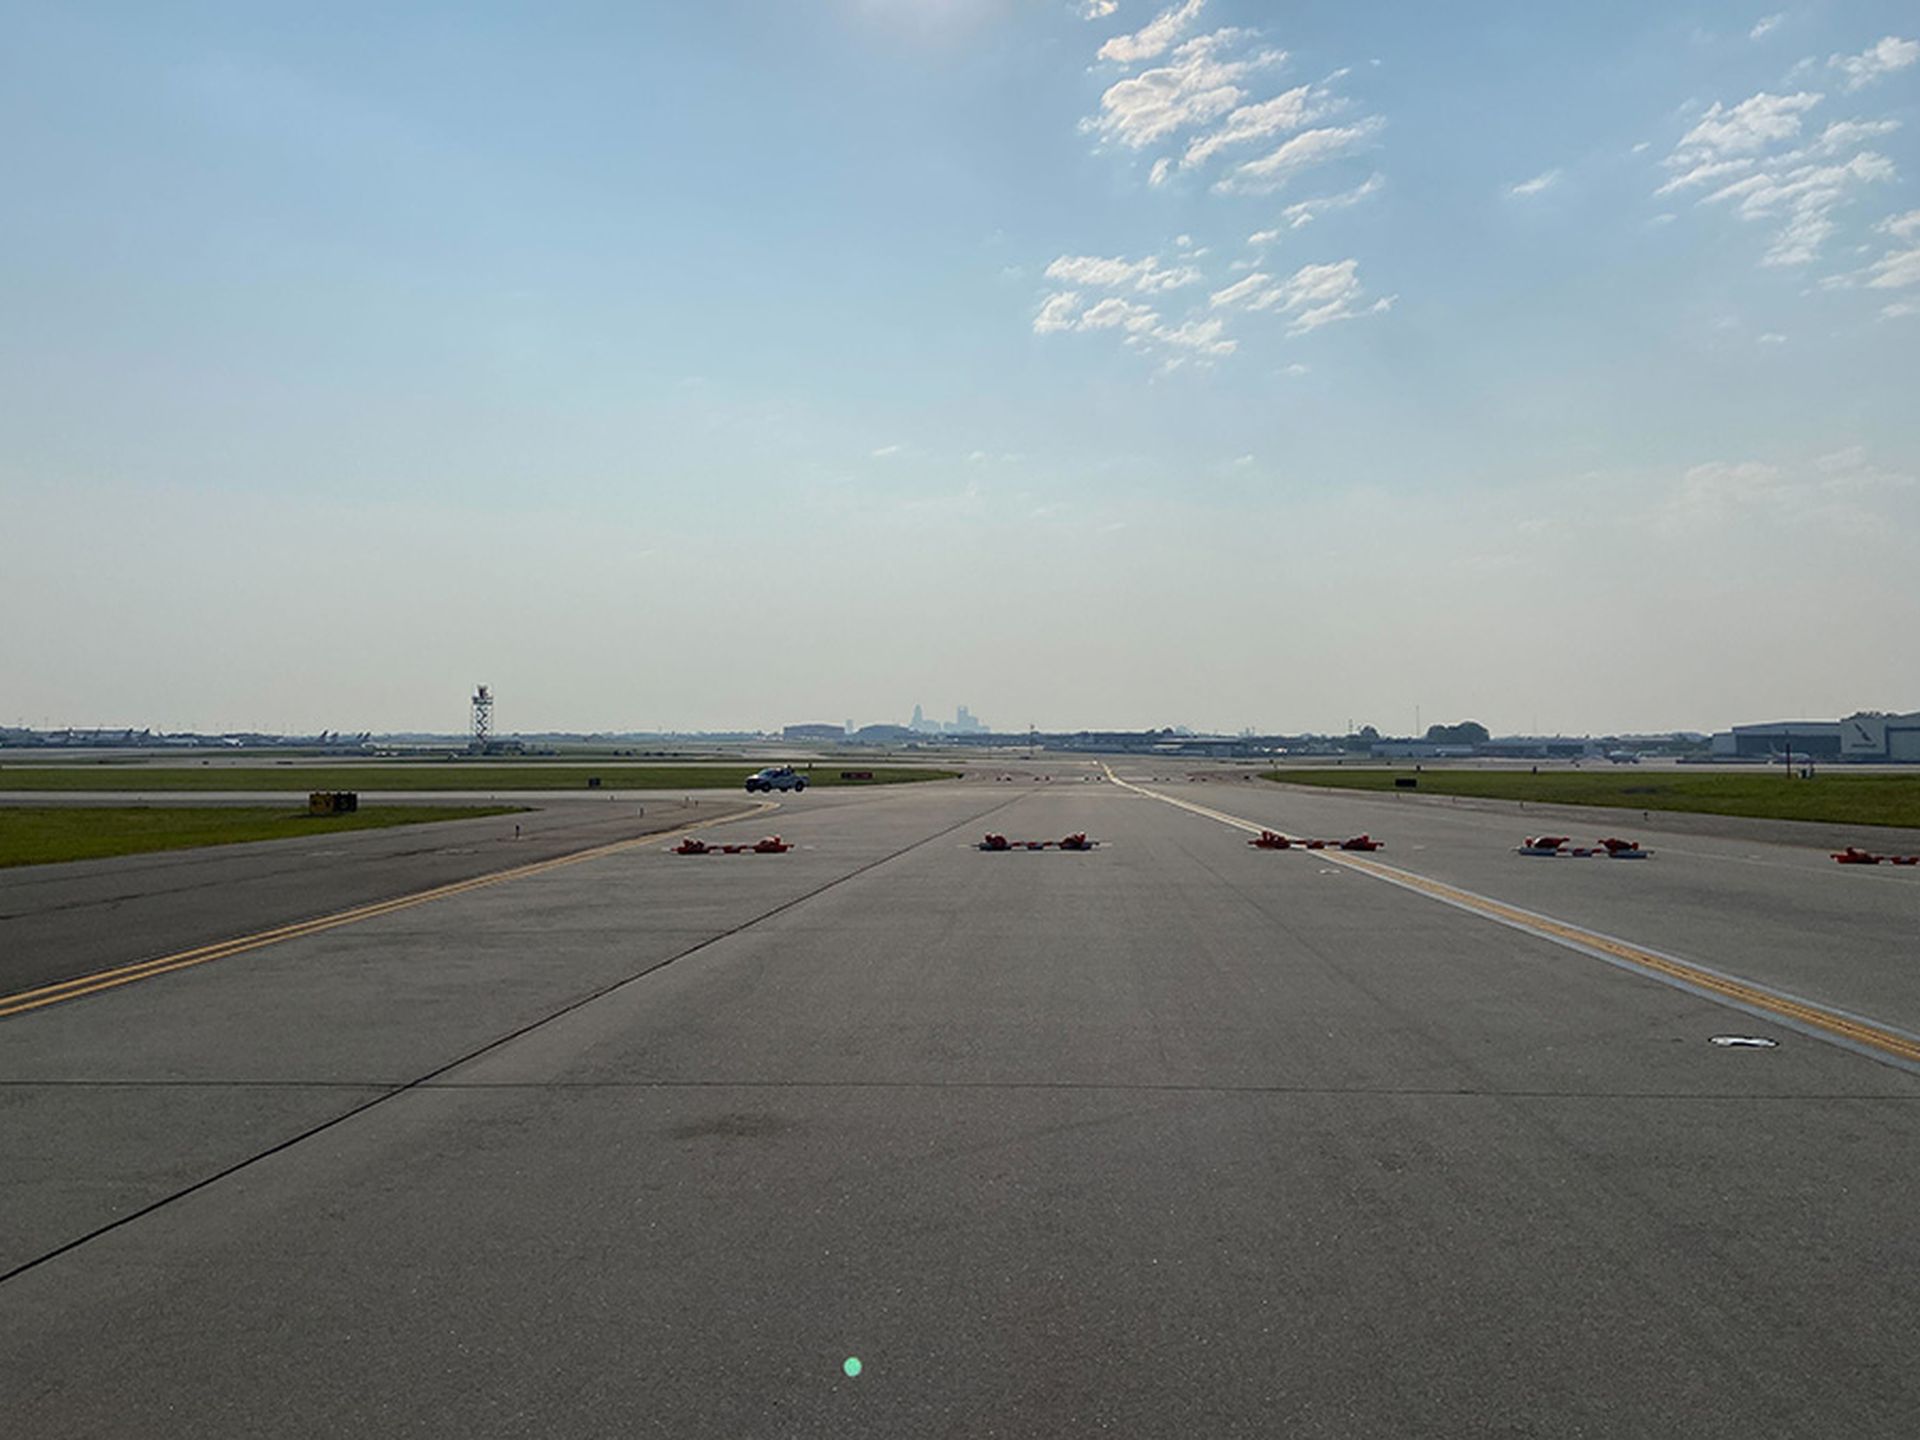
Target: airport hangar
<point>1863,737</point>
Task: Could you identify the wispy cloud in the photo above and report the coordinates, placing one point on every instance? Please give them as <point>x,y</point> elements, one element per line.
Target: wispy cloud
<point>1767,26</point>
<point>1059,311</point>
<point>1201,81</point>
<point>1156,37</point>
<point>1740,156</point>
<point>1302,152</point>
<point>1146,276</point>
<point>1881,58</point>
<point>1248,123</point>
<point>1313,296</point>
<point>1139,326</point>
<point>1305,212</point>
<point>1752,125</point>
<point>1803,199</point>
<point>1539,184</point>
<point>1842,489</point>
<point>1898,269</point>
<point>1097,9</point>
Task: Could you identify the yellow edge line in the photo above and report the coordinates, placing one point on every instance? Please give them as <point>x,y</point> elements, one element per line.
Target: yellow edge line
<point>1845,1027</point>
<point>26,1000</point>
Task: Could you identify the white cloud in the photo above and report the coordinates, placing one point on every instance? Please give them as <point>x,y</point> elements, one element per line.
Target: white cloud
<point>1303,151</point>
<point>1707,170</point>
<point>1241,289</point>
<point>1803,199</point>
<point>1058,312</point>
<point>1766,26</point>
<point>886,450</point>
<point>1140,326</point>
<point>1097,9</point>
<point>1544,181</point>
<point>1740,156</point>
<point>1843,488</point>
<point>1286,111</point>
<point>1773,337</point>
<point>1845,134</point>
<point>1883,57</point>
<point>1114,313</point>
<point>1202,337</point>
<point>1720,488</point>
<point>1901,227</point>
<point>1313,296</point>
<point>1752,125</point>
<point>1147,276</point>
<point>1305,212</point>
<point>1155,37</point>
<point>1199,84</point>
<point>1895,270</point>
<point>1900,309</point>
<point>1161,169</point>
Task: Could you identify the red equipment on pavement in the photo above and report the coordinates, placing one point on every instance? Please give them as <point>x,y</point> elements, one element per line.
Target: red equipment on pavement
<point>1609,849</point>
<point>1274,840</point>
<point>771,845</point>
<point>1076,841</point>
<point>1623,850</point>
<point>1854,855</point>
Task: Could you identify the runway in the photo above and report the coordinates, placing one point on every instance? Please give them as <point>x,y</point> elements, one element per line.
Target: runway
<point>1172,1137</point>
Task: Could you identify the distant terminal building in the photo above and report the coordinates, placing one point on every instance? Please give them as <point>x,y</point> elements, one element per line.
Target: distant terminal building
<point>814,733</point>
<point>1868,736</point>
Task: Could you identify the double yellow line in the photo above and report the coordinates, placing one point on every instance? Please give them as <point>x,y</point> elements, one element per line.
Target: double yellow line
<point>25,1000</point>
<point>1883,1042</point>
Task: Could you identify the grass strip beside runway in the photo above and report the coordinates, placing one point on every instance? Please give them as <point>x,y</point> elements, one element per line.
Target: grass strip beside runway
<point>1846,799</point>
<point>429,775</point>
<point>44,834</point>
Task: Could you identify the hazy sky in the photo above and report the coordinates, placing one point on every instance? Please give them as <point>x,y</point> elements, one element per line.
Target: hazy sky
<point>729,364</point>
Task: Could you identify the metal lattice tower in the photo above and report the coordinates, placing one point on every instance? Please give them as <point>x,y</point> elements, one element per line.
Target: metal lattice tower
<point>482,719</point>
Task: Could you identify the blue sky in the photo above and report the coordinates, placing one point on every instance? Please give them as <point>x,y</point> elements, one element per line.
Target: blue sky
<point>733,364</point>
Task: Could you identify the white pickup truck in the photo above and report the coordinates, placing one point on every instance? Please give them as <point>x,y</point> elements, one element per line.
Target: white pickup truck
<point>776,777</point>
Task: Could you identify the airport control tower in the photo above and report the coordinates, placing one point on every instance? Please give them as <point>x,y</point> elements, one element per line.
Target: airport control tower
<point>481,732</point>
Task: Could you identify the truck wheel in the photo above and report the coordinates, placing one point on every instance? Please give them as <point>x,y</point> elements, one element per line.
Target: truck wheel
<point>798,786</point>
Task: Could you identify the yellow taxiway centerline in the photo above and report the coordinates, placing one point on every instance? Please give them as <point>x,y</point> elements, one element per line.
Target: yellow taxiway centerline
<point>26,1000</point>
<point>1881,1041</point>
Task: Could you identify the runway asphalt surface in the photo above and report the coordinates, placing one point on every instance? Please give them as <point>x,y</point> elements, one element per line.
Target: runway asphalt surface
<point>58,921</point>
<point>1176,1137</point>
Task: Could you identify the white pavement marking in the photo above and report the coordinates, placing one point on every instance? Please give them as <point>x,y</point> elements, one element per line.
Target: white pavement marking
<point>1873,1038</point>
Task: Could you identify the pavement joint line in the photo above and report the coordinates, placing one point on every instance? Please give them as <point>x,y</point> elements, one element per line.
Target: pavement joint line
<point>1143,1087</point>
<point>1173,1088</point>
<point>1873,1038</point>
<point>423,1081</point>
<point>24,1001</point>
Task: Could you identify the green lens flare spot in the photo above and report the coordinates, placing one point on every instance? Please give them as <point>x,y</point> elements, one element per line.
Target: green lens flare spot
<point>852,1367</point>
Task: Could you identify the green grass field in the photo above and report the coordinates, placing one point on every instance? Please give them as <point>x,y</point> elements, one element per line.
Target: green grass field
<point>42,834</point>
<point>1850,799</point>
<point>426,775</point>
